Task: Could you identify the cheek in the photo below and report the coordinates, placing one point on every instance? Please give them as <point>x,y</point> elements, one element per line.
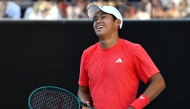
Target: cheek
<point>93,25</point>
<point>108,22</point>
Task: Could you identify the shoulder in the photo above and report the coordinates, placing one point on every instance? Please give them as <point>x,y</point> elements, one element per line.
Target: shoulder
<point>129,44</point>
<point>91,49</point>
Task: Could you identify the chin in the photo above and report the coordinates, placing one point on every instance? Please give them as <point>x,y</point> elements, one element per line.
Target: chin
<point>99,35</point>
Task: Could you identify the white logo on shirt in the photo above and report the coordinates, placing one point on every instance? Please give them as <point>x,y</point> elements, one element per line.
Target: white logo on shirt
<point>118,61</point>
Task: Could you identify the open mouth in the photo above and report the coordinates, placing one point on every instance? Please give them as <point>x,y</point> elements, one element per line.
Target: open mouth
<point>99,27</point>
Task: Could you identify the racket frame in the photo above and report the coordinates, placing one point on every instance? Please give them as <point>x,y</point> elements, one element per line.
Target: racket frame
<point>54,87</point>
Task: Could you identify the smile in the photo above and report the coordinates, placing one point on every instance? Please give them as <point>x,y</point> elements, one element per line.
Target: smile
<point>99,27</point>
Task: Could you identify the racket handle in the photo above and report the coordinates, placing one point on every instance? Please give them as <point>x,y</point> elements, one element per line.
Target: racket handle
<point>84,104</point>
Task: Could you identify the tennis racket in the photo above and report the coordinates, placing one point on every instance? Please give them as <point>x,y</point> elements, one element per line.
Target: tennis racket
<point>51,97</point>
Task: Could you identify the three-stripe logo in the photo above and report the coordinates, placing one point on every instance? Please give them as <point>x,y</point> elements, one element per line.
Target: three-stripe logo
<point>118,60</point>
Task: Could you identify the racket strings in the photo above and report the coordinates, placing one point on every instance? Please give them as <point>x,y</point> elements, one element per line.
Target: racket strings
<point>53,99</point>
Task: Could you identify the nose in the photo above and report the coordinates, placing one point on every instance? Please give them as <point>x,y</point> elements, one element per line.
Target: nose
<point>98,21</point>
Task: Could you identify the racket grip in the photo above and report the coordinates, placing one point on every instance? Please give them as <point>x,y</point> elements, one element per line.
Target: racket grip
<point>86,105</point>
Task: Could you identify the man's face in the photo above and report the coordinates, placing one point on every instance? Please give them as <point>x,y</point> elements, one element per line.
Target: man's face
<point>104,24</point>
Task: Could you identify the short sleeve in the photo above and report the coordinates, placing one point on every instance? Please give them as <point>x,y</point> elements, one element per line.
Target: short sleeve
<point>144,65</point>
<point>83,76</point>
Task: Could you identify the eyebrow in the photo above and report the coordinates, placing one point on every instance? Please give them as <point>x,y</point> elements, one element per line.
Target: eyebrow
<point>99,15</point>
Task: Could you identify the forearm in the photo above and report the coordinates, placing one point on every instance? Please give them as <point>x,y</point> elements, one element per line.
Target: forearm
<point>84,97</point>
<point>83,94</point>
<point>155,87</point>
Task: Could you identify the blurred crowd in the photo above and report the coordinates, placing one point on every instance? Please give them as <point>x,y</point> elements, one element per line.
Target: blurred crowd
<point>72,9</point>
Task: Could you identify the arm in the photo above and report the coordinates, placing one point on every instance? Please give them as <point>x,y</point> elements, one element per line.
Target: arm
<point>157,84</point>
<point>83,94</point>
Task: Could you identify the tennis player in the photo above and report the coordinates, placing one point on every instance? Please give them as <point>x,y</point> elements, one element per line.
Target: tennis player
<point>111,69</point>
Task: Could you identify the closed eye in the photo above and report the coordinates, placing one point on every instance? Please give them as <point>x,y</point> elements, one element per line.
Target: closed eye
<point>95,19</point>
<point>103,17</point>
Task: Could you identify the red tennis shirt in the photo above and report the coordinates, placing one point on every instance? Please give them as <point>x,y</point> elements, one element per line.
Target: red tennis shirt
<point>113,74</point>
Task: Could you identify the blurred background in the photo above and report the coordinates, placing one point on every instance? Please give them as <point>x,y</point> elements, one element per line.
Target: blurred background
<point>75,9</point>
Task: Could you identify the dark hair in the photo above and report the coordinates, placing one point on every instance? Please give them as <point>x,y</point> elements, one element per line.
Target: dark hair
<point>119,30</point>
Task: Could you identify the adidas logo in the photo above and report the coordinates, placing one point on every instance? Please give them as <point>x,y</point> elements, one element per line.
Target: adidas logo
<point>118,61</point>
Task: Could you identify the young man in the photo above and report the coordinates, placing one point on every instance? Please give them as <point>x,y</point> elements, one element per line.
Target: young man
<point>110,70</point>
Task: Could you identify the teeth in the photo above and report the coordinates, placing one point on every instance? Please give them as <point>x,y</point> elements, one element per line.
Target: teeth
<point>99,27</point>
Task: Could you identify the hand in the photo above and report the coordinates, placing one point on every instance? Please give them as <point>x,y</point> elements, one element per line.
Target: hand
<point>130,107</point>
<point>84,107</point>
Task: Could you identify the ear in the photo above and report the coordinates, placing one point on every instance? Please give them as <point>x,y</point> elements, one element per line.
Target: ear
<point>118,22</point>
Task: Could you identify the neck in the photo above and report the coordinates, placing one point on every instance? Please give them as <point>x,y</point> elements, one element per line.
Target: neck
<point>108,43</point>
